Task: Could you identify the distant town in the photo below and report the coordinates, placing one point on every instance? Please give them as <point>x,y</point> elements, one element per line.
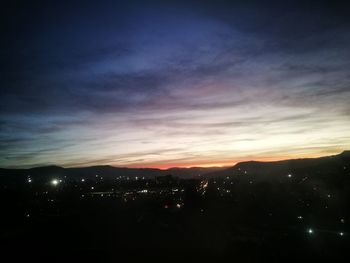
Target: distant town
<point>249,207</point>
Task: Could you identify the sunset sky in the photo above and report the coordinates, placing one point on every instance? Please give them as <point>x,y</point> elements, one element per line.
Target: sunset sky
<point>171,83</point>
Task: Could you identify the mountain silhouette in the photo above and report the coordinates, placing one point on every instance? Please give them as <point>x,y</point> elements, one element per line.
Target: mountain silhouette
<point>323,167</point>
<point>107,171</point>
<point>329,168</point>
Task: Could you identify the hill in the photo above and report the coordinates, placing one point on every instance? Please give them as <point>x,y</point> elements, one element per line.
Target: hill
<point>330,167</point>
<point>106,171</point>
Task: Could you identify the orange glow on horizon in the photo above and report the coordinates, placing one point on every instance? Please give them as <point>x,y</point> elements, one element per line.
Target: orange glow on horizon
<point>208,164</point>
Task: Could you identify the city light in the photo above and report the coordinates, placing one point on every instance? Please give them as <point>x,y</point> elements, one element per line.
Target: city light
<point>54,182</point>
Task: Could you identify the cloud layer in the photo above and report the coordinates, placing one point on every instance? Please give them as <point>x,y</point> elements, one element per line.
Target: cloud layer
<point>168,85</point>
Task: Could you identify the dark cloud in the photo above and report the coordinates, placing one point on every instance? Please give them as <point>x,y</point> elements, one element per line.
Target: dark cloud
<point>75,76</point>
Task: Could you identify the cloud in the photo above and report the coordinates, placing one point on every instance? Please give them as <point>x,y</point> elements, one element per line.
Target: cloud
<point>176,84</point>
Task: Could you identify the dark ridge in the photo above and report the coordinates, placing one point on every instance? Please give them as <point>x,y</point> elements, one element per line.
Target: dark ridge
<point>315,166</point>
<point>322,167</point>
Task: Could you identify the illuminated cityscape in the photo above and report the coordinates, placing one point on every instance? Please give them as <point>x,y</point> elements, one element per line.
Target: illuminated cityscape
<point>248,207</point>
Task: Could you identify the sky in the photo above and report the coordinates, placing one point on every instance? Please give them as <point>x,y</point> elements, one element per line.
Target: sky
<point>172,83</point>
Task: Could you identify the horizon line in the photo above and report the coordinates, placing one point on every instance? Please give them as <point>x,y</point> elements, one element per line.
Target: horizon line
<point>218,165</point>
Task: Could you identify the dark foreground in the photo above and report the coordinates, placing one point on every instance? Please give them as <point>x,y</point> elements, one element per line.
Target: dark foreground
<point>253,213</point>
